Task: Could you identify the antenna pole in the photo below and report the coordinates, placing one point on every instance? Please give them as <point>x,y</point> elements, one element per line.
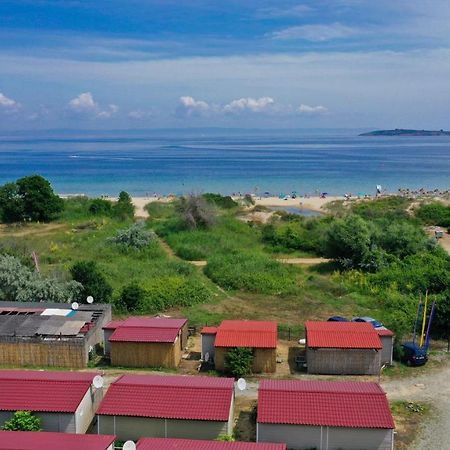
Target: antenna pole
<point>430,320</point>
<point>422,334</point>
<point>416,323</point>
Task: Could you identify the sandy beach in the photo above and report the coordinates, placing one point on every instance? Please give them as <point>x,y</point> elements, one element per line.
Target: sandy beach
<point>312,203</point>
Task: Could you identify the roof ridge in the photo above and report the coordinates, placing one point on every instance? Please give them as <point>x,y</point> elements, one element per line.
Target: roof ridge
<point>168,386</point>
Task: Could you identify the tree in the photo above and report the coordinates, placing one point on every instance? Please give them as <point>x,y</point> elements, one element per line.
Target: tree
<point>196,212</point>
<point>93,281</point>
<point>100,206</point>
<point>124,208</point>
<point>131,297</point>
<point>11,205</point>
<point>40,203</point>
<point>239,361</point>
<point>23,421</point>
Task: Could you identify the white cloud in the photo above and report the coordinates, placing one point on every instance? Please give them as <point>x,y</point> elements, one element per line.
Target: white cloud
<point>255,105</point>
<point>316,33</point>
<point>84,103</point>
<point>294,11</point>
<point>312,110</point>
<point>139,114</point>
<point>188,106</point>
<point>8,104</point>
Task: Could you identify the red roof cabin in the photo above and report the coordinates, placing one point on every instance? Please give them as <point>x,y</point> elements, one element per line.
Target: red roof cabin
<point>41,440</point>
<point>190,444</point>
<point>167,407</point>
<point>64,401</point>
<point>146,341</point>
<point>257,335</point>
<point>324,415</point>
<point>342,348</point>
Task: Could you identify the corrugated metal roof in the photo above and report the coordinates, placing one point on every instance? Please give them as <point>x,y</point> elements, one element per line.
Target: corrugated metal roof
<point>209,330</point>
<point>29,440</point>
<point>144,334</point>
<point>43,391</point>
<point>384,332</point>
<point>322,403</point>
<point>246,333</point>
<point>113,324</point>
<point>341,335</point>
<point>189,444</point>
<point>154,322</point>
<point>171,397</point>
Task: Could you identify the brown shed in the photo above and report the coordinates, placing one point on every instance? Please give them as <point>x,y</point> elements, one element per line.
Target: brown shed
<point>148,342</point>
<point>257,335</point>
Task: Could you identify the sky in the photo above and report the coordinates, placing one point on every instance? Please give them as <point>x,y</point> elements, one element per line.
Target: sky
<point>108,64</point>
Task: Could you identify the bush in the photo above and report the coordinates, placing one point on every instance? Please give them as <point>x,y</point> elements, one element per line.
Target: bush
<point>23,421</point>
<point>239,361</point>
<point>135,237</point>
<point>131,297</point>
<point>123,209</point>
<point>100,207</point>
<point>435,213</point>
<point>224,202</point>
<point>20,283</point>
<point>195,212</point>
<point>93,281</point>
<point>29,199</point>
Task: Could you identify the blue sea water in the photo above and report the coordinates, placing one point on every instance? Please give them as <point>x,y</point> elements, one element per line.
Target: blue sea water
<point>198,161</point>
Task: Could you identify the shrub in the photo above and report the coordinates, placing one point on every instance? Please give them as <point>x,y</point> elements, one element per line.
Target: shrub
<point>29,199</point>
<point>123,209</point>
<point>435,213</point>
<point>131,297</point>
<point>100,207</point>
<point>93,281</point>
<point>239,361</point>
<point>224,202</point>
<point>135,237</point>
<point>20,283</point>
<point>249,200</point>
<point>23,421</point>
<point>195,212</point>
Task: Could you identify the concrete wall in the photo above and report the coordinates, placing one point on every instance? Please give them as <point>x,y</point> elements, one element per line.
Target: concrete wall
<point>135,427</point>
<point>265,360</point>
<point>298,437</point>
<point>146,354</point>
<point>208,345</point>
<point>330,361</point>
<point>106,344</point>
<point>59,422</point>
<point>87,408</point>
<point>388,347</point>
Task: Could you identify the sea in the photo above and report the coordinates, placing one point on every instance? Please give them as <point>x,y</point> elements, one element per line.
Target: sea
<point>265,162</point>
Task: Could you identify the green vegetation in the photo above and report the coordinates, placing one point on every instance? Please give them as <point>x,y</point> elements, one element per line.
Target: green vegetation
<point>23,421</point>
<point>239,361</point>
<point>93,281</point>
<point>29,199</point>
<point>134,238</point>
<point>195,212</point>
<point>435,213</point>
<point>224,202</point>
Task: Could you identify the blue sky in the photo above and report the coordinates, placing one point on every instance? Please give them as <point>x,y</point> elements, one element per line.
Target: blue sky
<point>107,64</point>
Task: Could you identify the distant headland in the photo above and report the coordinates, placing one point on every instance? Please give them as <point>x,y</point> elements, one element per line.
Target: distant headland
<point>404,132</point>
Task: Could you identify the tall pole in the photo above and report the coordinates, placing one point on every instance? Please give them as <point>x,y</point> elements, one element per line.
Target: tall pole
<point>422,335</point>
<point>416,323</point>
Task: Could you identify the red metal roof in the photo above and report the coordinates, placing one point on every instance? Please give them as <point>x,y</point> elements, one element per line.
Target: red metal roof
<point>171,397</point>
<point>209,330</point>
<point>41,440</point>
<point>246,333</point>
<point>341,335</point>
<point>154,322</point>
<point>43,391</point>
<point>113,324</point>
<point>190,444</point>
<point>144,334</point>
<point>384,332</point>
<point>324,403</point>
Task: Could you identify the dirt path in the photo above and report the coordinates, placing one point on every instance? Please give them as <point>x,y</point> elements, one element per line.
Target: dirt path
<point>433,387</point>
<point>306,261</point>
<point>34,229</point>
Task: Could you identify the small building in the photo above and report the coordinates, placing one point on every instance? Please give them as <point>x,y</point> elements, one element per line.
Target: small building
<point>168,407</point>
<point>208,338</point>
<point>146,341</point>
<point>190,444</point>
<point>64,401</point>
<point>387,341</point>
<point>257,335</point>
<point>342,348</point>
<point>41,440</point>
<point>324,415</point>
<point>50,334</point>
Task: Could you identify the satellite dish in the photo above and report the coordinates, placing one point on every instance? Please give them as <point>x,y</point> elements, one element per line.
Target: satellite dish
<point>129,445</point>
<point>90,299</point>
<point>241,384</point>
<point>98,382</point>
<point>206,356</point>
<point>75,306</point>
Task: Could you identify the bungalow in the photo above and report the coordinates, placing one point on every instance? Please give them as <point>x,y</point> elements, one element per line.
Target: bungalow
<point>167,406</point>
<point>342,348</point>
<point>64,401</point>
<point>146,342</point>
<point>41,440</point>
<point>257,335</point>
<point>387,341</point>
<point>188,444</point>
<point>324,415</point>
